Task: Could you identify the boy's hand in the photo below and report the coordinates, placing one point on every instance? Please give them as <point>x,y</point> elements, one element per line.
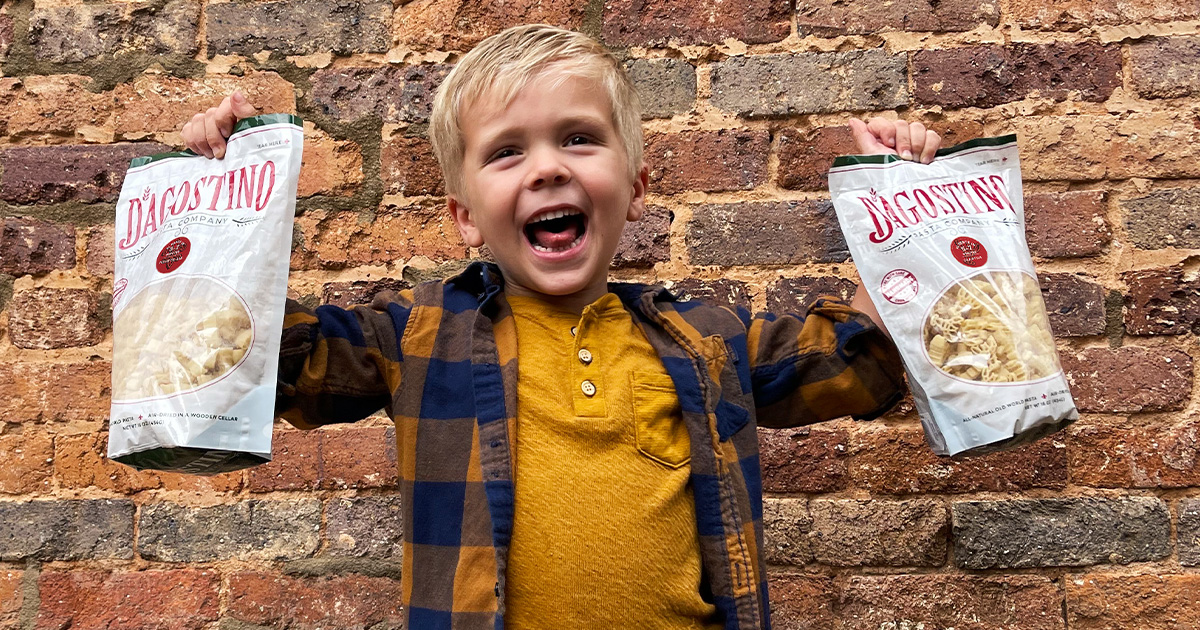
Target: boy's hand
<point>911,141</point>
<point>205,133</point>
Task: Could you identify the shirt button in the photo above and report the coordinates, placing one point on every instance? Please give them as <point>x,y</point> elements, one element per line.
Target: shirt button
<point>588,388</point>
<point>585,356</point>
<point>573,329</point>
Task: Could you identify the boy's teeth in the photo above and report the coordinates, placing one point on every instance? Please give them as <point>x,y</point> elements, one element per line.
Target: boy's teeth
<point>557,214</point>
<point>543,248</point>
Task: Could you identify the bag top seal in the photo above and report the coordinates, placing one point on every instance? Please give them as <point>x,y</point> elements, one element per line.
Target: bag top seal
<point>851,160</point>
<point>261,120</point>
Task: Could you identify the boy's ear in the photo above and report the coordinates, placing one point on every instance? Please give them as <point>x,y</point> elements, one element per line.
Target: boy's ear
<point>463,221</point>
<point>637,205</point>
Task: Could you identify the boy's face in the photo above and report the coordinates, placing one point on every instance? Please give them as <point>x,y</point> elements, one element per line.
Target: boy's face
<point>547,189</point>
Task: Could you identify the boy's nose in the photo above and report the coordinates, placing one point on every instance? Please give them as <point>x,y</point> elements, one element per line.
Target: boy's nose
<point>548,170</point>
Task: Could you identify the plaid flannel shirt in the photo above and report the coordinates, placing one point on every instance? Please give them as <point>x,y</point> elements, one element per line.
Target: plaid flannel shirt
<point>442,360</point>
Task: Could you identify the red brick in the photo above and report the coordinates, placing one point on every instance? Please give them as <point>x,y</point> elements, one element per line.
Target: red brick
<point>336,240</point>
<point>55,391</point>
<point>160,104</point>
<point>31,246</point>
<point>410,167</point>
<point>51,109</point>
<point>645,242</point>
<point>1119,455</point>
<point>295,463</point>
<point>803,460</point>
<point>1067,224</point>
<point>711,161</point>
<point>347,294</point>
<point>675,22</point>
<point>428,25</point>
<point>28,467</point>
<point>1145,602</point>
<point>1074,304</point>
<point>99,255</point>
<point>355,601</point>
<point>987,76</point>
<point>828,18</point>
<point>1129,379</point>
<point>795,295</point>
<point>83,173</point>
<point>1162,144</point>
<point>806,155</point>
<point>45,318</point>
<point>360,457</point>
<point>964,602</point>
<point>1166,67</point>
<point>1161,302</point>
<point>802,602</point>
<point>898,461</point>
<point>1072,15</point>
<point>10,598</point>
<point>81,462</point>
<point>329,166</point>
<point>184,599</point>
<point>391,93</point>
<point>215,484</point>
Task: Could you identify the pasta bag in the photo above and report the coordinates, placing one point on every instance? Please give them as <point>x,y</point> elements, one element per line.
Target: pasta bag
<point>941,251</point>
<point>201,263</point>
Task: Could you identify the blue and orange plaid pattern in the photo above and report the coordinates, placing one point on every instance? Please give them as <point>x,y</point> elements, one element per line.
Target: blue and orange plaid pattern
<point>442,360</point>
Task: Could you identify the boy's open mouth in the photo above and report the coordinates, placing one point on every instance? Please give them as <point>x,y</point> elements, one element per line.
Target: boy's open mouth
<point>556,231</point>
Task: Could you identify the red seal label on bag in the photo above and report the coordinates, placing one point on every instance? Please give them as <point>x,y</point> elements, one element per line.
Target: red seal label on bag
<point>173,255</point>
<point>968,251</point>
<point>899,286</point>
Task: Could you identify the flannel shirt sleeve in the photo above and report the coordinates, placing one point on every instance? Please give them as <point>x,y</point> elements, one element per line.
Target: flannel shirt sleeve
<point>827,363</point>
<point>340,365</point>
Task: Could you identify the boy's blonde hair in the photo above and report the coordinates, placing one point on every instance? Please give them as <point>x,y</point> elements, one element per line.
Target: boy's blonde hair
<point>505,62</point>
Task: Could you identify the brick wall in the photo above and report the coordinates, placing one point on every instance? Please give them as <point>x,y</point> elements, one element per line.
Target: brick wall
<point>1097,527</point>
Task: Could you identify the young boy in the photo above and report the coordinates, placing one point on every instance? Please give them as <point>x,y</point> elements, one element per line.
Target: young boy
<point>572,453</point>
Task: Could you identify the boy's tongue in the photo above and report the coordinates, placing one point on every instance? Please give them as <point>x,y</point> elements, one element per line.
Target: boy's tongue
<point>555,240</point>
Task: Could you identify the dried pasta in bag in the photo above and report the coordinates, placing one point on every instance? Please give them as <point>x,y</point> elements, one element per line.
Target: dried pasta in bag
<point>202,250</point>
<point>941,250</point>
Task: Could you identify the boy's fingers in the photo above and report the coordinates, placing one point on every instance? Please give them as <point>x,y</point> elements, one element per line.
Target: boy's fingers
<point>916,139</point>
<point>194,135</point>
<point>903,142</point>
<point>242,107</point>
<point>216,142</point>
<point>932,143</point>
<point>225,119</point>
<point>883,129</point>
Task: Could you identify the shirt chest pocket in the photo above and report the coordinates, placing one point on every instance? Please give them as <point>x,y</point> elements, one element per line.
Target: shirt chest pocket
<point>659,431</point>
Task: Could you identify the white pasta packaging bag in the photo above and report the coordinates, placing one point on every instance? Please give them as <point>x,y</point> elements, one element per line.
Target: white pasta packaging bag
<point>941,251</point>
<point>201,257</point>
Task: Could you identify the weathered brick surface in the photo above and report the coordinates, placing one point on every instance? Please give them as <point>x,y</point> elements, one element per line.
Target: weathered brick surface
<point>986,76</point>
<point>787,528</point>
<point>358,457</point>
<point>66,530</point>
<point>707,160</point>
<point>802,602</point>
<point>1072,15</point>
<point>852,533</point>
<point>80,462</point>
<point>1075,305</point>
<point>350,601</point>
<point>251,530</point>
<point>795,295</point>
<point>35,246</point>
<point>810,83</point>
<point>330,166</point>
<point>803,459</point>
<point>1166,67</point>
<point>346,294</point>
<point>1117,455</point>
<point>1080,148</point>
<point>6,35</point>
<point>159,105</point>
<point>391,93</point>
<point>1161,302</point>
<point>666,87</point>
<point>55,391</point>
<point>99,257</point>
<point>1189,532</point>
<point>634,23</point>
<point>28,465</point>
<point>806,155</point>
<point>1145,602</point>
<point>335,240</point>
<point>364,527</point>
<point>299,27</point>
<point>47,108</point>
<point>646,241</point>
<point>1072,532</point>
<point>460,24</point>
<point>1129,379</point>
<point>84,173</point>
<point>63,34</point>
<point>1067,224</point>
<point>1001,602</point>
<point>765,233</point>
<point>731,293</point>
<point>898,461</point>
<point>45,318</point>
<point>409,166</point>
<point>182,599</point>
<point>829,18</point>
<point>11,598</point>
<point>1164,218</point>
<point>295,463</point>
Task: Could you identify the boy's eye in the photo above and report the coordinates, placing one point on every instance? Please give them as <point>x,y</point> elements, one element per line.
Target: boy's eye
<point>578,139</point>
<point>502,153</point>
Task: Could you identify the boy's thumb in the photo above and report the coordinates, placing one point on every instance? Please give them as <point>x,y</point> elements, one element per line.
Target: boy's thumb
<point>242,107</point>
